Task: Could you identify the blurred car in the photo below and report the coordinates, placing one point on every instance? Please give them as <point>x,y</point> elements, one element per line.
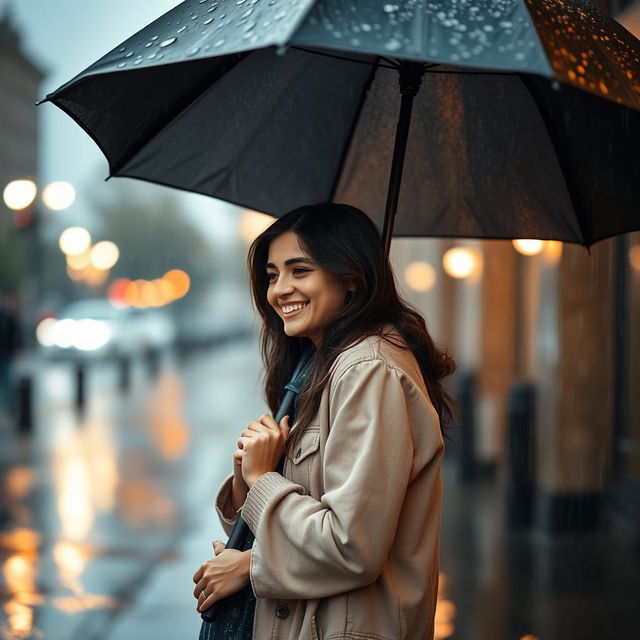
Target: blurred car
<point>224,313</point>
<point>94,328</point>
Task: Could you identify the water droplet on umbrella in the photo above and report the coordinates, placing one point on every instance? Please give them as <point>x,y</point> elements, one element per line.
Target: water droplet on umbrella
<point>121,49</point>
<point>194,16</point>
<point>154,38</point>
<point>149,44</point>
<point>128,55</point>
<point>122,64</point>
<point>208,21</point>
<point>219,43</point>
<point>193,52</point>
<point>390,8</point>
<point>213,8</point>
<point>365,26</point>
<point>250,26</point>
<point>392,45</point>
<point>355,42</point>
<point>137,61</point>
<point>201,1</point>
<point>247,13</point>
<point>505,24</point>
<point>280,15</point>
<point>181,29</point>
<point>168,41</point>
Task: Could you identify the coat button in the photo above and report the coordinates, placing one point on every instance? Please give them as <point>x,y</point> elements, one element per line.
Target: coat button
<point>282,612</point>
<point>298,453</point>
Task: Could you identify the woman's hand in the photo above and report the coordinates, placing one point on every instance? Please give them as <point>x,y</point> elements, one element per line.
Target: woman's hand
<point>222,575</point>
<point>261,446</point>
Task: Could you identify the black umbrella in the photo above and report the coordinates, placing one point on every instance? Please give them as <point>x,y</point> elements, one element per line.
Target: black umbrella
<point>525,120</point>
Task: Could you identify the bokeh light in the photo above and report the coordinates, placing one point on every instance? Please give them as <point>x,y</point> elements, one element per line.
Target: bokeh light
<point>59,195</point>
<point>117,291</point>
<point>179,280</point>
<point>74,240</point>
<point>460,262</point>
<point>79,261</point>
<point>19,194</point>
<point>420,276</point>
<point>634,257</point>
<point>529,247</point>
<point>104,254</point>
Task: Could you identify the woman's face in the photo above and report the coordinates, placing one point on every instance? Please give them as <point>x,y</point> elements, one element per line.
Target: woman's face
<point>304,295</point>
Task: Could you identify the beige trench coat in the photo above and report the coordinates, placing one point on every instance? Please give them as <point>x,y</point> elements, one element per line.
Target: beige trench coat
<point>347,539</point>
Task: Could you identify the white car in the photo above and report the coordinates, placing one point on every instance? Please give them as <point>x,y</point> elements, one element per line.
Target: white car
<point>95,328</point>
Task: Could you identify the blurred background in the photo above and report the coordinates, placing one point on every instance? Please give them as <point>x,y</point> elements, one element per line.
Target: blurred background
<point>129,363</point>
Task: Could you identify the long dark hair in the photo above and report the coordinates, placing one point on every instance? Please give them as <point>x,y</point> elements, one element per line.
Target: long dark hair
<point>344,241</point>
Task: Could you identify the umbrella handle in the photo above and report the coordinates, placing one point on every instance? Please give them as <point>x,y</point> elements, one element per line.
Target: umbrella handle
<point>240,529</point>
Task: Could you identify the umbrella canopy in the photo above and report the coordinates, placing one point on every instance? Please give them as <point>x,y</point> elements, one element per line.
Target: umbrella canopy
<point>525,119</point>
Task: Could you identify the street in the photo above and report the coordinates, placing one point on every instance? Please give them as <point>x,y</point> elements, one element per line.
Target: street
<point>105,518</point>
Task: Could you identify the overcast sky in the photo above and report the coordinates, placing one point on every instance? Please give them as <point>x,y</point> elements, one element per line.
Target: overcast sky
<point>63,37</point>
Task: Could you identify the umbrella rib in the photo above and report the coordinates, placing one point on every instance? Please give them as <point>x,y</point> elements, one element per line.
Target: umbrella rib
<point>347,58</point>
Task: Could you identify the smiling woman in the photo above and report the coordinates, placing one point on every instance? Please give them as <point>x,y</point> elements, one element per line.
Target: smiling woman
<point>303,294</point>
<point>347,528</point>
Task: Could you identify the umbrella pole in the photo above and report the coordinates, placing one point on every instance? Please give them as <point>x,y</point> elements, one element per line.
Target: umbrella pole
<point>410,79</point>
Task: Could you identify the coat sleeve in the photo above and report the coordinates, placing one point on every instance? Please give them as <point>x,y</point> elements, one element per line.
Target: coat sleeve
<point>224,506</point>
<point>308,548</point>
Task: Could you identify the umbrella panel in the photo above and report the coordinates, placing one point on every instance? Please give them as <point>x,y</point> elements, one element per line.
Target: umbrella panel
<point>271,135</point>
<point>479,162</point>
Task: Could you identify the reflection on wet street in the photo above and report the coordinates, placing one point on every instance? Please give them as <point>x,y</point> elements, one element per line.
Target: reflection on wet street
<point>104,517</point>
<point>95,507</point>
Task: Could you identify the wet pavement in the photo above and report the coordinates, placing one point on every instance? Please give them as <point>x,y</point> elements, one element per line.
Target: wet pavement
<point>104,519</point>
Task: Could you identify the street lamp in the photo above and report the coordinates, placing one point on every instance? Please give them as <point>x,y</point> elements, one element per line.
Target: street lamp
<point>20,196</point>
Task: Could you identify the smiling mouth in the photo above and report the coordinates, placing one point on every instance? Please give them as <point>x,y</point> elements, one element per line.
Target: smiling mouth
<point>289,310</point>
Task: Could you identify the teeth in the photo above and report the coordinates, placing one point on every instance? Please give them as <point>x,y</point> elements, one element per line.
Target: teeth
<point>292,307</point>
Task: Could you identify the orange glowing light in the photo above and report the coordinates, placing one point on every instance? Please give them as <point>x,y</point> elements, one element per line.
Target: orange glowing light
<point>149,294</point>
<point>94,277</point>
<point>117,292</point>
<point>179,280</point>
<point>165,291</point>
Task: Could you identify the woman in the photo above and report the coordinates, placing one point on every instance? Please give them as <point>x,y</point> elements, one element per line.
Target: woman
<point>347,537</point>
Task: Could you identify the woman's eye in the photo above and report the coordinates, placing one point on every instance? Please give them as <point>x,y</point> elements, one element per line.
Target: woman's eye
<point>272,277</point>
<point>299,271</point>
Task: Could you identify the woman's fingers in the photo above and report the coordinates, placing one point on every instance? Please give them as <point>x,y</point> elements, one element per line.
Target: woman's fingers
<point>197,576</point>
<point>209,601</point>
<point>284,427</point>
<point>218,547</point>
<point>200,587</point>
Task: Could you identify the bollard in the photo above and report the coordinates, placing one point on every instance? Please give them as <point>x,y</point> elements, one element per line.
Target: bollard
<point>152,356</point>
<point>521,406</point>
<point>80,379</point>
<point>466,396</point>
<point>124,374</point>
<point>25,405</point>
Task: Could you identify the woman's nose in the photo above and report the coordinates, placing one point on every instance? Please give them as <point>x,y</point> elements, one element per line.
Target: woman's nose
<point>283,286</point>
